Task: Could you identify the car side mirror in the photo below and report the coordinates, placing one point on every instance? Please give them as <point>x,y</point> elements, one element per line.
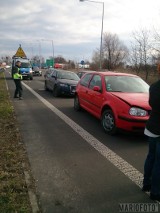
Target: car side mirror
<point>97,88</point>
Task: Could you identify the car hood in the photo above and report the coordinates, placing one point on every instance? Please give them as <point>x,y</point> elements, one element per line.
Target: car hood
<point>134,99</point>
<point>24,70</point>
<point>70,82</point>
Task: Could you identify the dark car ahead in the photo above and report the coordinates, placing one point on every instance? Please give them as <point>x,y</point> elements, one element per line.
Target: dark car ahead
<point>36,71</point>
<point>61,82</point>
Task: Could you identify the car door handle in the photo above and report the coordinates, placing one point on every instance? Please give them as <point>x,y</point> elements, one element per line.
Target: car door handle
<point>86,91</point>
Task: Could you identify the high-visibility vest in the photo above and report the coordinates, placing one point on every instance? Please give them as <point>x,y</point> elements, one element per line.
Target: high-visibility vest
<point>17,75</point>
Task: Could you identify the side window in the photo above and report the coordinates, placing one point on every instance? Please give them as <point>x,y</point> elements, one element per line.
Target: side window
<point>79,74</point>
<point>96,81</point>
<point>85,80</point>
<point>49,73</point>
<point>54,74</point>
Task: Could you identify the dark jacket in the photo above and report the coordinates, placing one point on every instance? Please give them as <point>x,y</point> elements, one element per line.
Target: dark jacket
<point>153,124</point>
<point>15,69</point>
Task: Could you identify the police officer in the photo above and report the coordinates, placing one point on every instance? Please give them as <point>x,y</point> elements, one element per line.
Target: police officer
<point>17,79</point>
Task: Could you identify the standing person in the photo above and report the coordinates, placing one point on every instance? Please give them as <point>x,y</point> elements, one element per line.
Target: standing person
<point>17,79</point>
<point>151,181</point>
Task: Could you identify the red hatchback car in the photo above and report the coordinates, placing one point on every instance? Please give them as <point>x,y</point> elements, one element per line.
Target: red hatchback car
<point>119,100</point>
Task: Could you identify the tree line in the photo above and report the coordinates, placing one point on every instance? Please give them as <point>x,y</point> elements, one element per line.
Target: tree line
<point>141,55</point>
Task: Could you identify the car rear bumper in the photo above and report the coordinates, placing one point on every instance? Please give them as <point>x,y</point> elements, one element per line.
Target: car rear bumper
<point>37,73</point>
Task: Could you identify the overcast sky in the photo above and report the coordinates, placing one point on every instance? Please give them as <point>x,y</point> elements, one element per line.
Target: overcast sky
<point>73,27</point>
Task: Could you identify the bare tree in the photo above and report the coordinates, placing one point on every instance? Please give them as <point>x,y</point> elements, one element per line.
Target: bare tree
<point>37,60</point>
<point>156,42</point>
<point>136,57</point>
<point>115,52</point>
<point>95,60</point>
<point>6,59</point>
<point>141,51</point>
<point>59,59</point>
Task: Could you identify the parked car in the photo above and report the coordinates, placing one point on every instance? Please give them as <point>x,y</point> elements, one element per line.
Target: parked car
<point>119,100</point>
<point>82,72</point>
<point>61,82</point>
<point>36,71</point>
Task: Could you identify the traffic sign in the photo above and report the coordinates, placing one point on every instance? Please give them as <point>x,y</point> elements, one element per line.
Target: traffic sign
<point>82,62</point>
<point>50,62</point>
<point>20,53</point>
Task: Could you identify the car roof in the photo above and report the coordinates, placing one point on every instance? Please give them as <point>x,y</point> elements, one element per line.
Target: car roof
<point>86,71</point>
<point>113,73</point>
<point>60,70</point>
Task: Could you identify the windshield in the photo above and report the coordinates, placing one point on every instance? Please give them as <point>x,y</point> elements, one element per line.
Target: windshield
<point>68,75</point>
<point>130,84</point>
<point>25,65</point>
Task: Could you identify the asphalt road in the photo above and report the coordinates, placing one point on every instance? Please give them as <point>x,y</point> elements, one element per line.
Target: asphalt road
<point>77,167</point>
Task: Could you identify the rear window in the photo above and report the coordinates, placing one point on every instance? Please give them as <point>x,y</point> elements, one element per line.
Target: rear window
<point>67,75</point>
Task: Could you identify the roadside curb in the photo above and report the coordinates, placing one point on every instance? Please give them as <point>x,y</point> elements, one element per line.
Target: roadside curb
<point>32,195</point>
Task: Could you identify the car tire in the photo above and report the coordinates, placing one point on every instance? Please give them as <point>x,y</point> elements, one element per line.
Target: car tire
<point>77,106</point>
<point>55,91</point>
<point>108,122</point>
<point>31,78</point>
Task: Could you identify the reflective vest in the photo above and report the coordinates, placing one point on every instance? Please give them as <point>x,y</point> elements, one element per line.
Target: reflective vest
<point>17,75</point>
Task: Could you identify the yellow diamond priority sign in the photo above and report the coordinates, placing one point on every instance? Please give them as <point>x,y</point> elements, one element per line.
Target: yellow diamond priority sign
<point>20,53</point>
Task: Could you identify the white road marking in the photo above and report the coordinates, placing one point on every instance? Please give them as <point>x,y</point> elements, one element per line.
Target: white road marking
<point>132,173</point>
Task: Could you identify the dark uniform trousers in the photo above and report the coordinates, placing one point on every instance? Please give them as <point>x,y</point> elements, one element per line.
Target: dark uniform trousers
<point>18,90</point>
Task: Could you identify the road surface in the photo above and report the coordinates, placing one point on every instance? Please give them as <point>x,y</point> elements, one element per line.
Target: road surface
<point>77,167</point>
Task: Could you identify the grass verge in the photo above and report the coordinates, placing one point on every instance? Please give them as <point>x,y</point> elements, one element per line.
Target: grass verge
<point>13,189</point>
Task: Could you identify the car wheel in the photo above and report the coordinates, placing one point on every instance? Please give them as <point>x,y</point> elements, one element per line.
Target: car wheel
<point>77,106</point>
<point>45,86</point>
<point>108,122</point>
<point>55,91</point>
<point>31,78</point>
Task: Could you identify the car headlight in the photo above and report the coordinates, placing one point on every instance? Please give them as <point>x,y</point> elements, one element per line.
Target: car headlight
<point>135,111</point>
<point>63,85</point>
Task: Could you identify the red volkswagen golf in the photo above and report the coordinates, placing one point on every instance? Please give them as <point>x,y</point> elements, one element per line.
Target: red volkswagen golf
<point>119,100</point>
